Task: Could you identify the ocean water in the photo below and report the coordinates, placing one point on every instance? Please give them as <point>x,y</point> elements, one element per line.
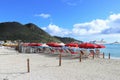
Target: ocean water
<point>113,49</point>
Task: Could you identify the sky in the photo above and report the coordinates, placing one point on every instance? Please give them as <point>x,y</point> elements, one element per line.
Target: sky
<point>85,20</point>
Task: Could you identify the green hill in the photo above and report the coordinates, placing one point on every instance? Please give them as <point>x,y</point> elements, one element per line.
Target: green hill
<point>28,33</point>
<point>67,39</point>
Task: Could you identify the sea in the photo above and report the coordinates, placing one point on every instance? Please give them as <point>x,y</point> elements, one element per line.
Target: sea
<point>113,49</point>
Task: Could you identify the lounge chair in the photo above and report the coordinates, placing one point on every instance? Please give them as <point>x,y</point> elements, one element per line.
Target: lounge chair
<point>92,53</point>
<point>70,52</point>
<point>64,52</point>
<point>97,51</point>
<point>84,53</point>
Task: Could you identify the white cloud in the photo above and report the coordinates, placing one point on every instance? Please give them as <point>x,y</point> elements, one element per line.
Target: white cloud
<point>99,26</point>
<point>56,30</point>
<point>114,17</point>
<point>114,24</point>
<point>44,28</point>
<point>95,29</point>
<point>43,15</point>
<point>72,2</point>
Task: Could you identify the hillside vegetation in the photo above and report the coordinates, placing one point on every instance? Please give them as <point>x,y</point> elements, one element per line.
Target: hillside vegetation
<point>27,33</point>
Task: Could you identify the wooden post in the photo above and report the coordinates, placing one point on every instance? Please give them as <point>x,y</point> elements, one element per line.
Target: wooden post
<point>60,59</point>
<point>93,55</point>
<point>103,55</point>
<point>28,66</point>
<point>109,56</point>
<point>80,57</point>
<point>19,46</point>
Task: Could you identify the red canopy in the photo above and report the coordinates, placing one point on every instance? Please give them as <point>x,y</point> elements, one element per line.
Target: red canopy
<point>25,44</point>
<point>100,46</point>
<point>54,44</point>
<point>72,45</point>
<point>34,44</point>
<point>87,45</point>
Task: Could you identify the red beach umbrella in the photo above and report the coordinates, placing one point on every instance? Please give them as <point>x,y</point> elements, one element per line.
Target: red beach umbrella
<point>87,45</point>
<point>54,44</point>
<point>25,44</point>
<point>38,44</point>
<point>72,45</point>
<point>34,44</point>
<point>100,46</point>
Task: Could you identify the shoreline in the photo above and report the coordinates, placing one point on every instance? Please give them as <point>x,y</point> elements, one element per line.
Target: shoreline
<point>118,58</point>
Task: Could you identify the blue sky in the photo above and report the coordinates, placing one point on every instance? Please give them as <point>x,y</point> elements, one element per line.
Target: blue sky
<point>84,20</point>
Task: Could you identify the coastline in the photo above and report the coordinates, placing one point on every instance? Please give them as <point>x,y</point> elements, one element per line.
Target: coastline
<point>114,57</point>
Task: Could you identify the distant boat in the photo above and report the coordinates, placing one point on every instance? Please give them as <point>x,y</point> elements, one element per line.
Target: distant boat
<point>116,42</point>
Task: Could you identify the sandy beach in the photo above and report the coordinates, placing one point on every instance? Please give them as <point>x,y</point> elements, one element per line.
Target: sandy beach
<point>13,66</point>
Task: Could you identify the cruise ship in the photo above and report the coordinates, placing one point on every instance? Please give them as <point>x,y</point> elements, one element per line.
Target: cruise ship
<point>99,42</point>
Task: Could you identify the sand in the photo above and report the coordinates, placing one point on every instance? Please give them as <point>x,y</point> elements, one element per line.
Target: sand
<point>13,66</point>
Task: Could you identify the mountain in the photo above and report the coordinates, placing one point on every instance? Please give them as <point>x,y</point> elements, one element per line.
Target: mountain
<point>27,33</point>
<point>67,39</point>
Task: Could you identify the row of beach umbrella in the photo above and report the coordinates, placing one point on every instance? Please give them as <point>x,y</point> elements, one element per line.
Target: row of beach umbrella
<point>82,45</point>
<point>54,44</point>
